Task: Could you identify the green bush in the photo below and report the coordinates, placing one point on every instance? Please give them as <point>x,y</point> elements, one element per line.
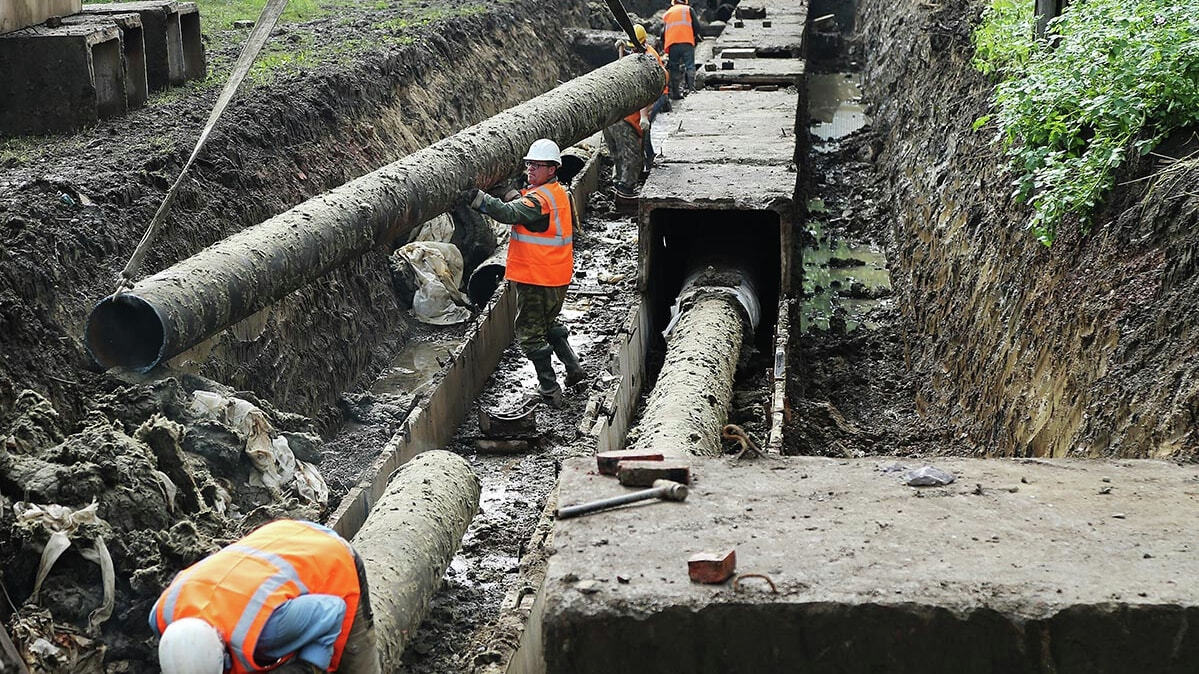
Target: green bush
<point>1118,77</point>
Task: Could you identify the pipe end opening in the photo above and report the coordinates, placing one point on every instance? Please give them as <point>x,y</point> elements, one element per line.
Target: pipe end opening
<point>126,331</point>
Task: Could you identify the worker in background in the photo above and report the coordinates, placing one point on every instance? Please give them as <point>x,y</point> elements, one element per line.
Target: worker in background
<point>680,35</point>
<point>290,593</point>
<point>626,139</point>
<point>663,101</point>
<point>540,264</point>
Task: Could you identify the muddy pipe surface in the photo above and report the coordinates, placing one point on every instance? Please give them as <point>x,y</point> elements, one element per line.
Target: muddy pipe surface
<point>408,541</point>
<point>690,401</point>
<point>175,309</point>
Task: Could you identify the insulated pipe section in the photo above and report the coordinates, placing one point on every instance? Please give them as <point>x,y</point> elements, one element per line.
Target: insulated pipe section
<point>408,541</point>
<point>179,307</point>
<point>716,312</point>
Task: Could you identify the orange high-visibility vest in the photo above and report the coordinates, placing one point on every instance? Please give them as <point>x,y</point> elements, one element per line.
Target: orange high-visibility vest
<point>678,26</point>
<point>236,589</point>
<point>544,258</point>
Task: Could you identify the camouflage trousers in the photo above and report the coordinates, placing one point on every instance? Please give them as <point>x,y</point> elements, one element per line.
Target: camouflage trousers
<point>537,309</point>
<point>624,144</point>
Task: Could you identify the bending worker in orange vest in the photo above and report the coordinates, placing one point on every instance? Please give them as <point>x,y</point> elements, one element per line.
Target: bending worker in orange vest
<point>679,36</point>
<point>540,263</point>
<point>290,593</point>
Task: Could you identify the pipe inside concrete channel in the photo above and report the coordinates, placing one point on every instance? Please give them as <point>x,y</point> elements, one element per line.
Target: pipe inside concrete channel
<point>474,339</point>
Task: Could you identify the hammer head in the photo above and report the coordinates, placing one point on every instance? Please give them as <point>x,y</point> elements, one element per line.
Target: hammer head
<point>671,490</point>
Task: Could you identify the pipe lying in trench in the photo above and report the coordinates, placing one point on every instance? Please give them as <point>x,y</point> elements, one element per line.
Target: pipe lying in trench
<point>179,307</point>
<point>408,541</point>
<point>716,311</point>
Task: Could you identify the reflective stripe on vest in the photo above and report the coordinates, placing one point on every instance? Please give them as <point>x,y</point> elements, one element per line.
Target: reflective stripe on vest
<point>678,28</point>
<point>236,589</point>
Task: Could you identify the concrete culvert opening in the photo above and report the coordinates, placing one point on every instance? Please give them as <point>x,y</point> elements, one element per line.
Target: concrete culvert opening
<point>681,239</point>
<point>126,331</point>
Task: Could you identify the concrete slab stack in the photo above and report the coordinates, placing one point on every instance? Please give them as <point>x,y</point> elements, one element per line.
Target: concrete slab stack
<point>54,79</point>
<point>165,53</point>
<point>133,48</point>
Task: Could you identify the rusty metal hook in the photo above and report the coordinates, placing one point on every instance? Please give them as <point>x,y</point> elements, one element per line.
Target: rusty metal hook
<point>737,581</point>
<point>735,432</point>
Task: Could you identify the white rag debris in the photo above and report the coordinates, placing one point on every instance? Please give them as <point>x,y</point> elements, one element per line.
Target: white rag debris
<point>276,466</point>
<point>62,523</point>
<point>438,270</point>
<point>440,229</point>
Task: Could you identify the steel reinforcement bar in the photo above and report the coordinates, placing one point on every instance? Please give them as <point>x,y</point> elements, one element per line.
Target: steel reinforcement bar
<point>177,308</point>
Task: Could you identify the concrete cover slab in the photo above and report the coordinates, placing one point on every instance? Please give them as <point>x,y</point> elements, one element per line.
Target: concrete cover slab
<point>785,72</point>
<point>1019,566</point>
<point>784,36</point>
<point>720,186</point>
<point>755,128</point>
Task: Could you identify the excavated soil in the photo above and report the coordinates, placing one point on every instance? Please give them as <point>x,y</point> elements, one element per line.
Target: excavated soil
<point>1087,348</point>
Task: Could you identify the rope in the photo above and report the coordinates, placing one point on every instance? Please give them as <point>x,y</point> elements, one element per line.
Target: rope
<point>258,36</point>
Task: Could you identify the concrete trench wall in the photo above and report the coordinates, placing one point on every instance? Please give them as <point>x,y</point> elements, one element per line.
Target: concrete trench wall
<point>1085,348</point>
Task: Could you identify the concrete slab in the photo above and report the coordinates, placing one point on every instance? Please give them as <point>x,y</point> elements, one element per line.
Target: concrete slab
<point>783,37</point>
<point>1019,566</point>
<point>58,79</point>
<point>720,186</point>
<point>742,127</point>
<point>162,34</point>
<point>756,71</point>
<point>133,47</point>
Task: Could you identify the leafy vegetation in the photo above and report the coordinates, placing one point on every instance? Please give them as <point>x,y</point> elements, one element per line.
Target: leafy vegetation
<point>1116,77</point>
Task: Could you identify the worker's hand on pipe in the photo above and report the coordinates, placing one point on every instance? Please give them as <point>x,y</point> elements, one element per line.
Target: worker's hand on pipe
<point>644,125</point>
<point>511,195</point>
<point>472,197</point>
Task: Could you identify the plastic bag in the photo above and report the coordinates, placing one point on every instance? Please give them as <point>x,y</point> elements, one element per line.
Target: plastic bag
<point>438,269</point>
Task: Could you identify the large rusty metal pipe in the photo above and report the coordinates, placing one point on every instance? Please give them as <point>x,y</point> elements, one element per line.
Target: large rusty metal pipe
<point>716,311</point>
<point>179,307</point>
<point>408,541</point>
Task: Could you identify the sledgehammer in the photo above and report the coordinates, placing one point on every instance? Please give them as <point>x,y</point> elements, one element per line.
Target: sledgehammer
<point>667,490</point>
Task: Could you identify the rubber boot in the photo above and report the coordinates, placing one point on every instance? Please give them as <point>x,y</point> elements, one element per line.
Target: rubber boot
<point>574,370</point>
<point>547,382</point>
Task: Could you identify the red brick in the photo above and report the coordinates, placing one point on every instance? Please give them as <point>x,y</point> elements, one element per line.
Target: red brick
<point>643,473</point>
<point>712,567</point>
<point>607,462</point>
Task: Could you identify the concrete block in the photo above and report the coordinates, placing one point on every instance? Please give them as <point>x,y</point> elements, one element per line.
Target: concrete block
<point>643,473</point>
<point>750,11</point>
<point>194,60</point>
<point>607,462</point>
<point>738,53</point>
<point>766,24</point>
<point>18,14</point>
<point>738,24</point>
<point>712,567</point>
<point>133,46</point>
<point>60,79</point>
<point>1053,565</point>
<point>162,34</point>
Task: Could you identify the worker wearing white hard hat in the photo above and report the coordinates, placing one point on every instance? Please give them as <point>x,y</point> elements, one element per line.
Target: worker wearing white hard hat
<point>289,597</point>
<point>540,264</point>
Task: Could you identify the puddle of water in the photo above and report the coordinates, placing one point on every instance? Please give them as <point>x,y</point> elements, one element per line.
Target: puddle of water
<point>843,280</point>
<point>414,368</point>
<point>835,106</point>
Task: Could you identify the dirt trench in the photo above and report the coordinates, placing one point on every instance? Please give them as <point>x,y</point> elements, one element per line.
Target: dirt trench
<point>170,486</point>
<point>1087,348</point>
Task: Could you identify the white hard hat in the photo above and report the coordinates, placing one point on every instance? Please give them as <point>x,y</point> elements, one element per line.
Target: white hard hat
<point>544,149</point>
<point>191,646</point>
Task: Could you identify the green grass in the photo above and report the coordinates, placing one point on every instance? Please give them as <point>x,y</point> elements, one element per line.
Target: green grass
<point>1119,76</point>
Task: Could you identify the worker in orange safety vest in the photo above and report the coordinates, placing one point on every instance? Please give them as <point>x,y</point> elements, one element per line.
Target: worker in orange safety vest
<point>291,597</point>
<point>540,264</point>
<point>679,37</point>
